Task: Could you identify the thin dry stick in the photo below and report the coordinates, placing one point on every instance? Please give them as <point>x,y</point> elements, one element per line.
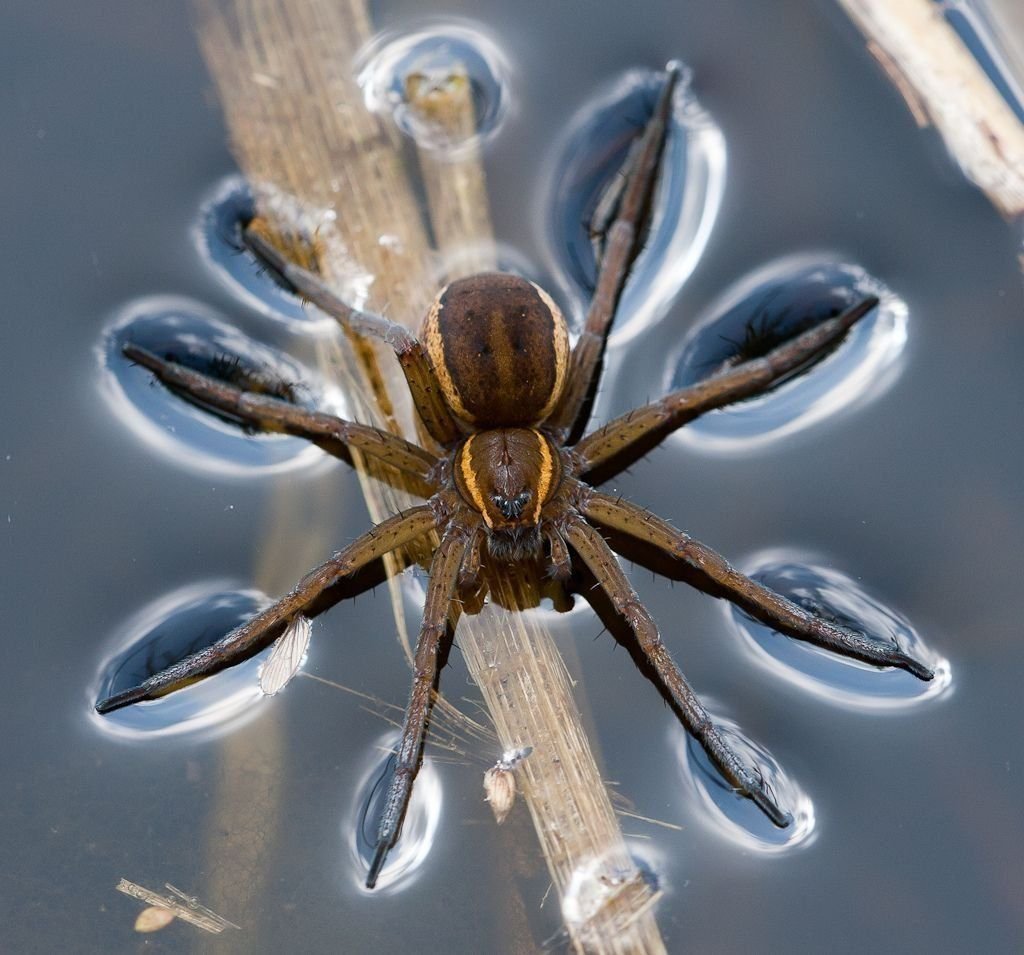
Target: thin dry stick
<point>324,169</point>
<point>454,180</point>
<point>283,78</point>
<point>520,673</point>
<point>943,82</point>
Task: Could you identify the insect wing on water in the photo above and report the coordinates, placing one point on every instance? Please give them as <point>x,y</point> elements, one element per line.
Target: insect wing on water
<point>286,657</point>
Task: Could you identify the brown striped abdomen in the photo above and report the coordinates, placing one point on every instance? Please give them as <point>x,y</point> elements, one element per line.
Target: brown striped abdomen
<point>500,347</point>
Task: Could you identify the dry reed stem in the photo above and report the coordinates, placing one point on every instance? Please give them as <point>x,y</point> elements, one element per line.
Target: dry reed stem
<point>944,82</point>
<point>322,168</point>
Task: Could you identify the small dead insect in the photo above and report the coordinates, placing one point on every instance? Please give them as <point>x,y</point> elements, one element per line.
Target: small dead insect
<point>163,908</point>
<point>153,918</point>
<point>507,402</point>
<point>500,782</point>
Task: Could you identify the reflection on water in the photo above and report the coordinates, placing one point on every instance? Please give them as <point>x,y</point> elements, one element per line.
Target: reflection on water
<point>838,598</point>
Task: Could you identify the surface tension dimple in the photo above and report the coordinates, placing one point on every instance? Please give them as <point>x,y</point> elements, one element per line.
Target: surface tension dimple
<point>833,595</point>
<point>772,305</point>
<point>169,628</point>
<point>197,337</point>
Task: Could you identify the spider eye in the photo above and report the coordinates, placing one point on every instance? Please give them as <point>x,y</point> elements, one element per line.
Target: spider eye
<point>511,507</point>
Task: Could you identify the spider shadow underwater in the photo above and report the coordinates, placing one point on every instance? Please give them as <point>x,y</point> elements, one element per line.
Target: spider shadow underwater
<point>509,475</point>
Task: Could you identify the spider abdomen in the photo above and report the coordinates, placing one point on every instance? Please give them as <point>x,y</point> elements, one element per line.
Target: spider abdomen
<point>501,349</point>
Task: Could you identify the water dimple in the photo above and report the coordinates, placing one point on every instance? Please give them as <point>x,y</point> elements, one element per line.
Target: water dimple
<point>773,305</point>
<point>419,829</point>
<point>224,212</point>
<point>196,337</point>
<point>396,69</point>
<point>734,815</point>
<point>612,885</point>
<point>165,632</point>
<point>839,599</point>
<point>587,171</point>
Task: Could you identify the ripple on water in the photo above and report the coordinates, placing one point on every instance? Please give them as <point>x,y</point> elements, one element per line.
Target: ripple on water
<point>396,65</point>
<point>775,303</point>
<point>164,632</point>
<point>831,594</point>
<point>419,830</point>
<point>197,337</point>
<point>582,180</point>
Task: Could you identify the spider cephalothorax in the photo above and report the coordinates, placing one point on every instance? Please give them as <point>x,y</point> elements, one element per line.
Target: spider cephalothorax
<point>505,402</point>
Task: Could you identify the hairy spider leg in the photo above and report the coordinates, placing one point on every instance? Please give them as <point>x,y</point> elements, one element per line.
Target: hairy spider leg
<point>444,574</point>
<point>394,532</point>
<point>610,449</point>
<point>272,414</point>
<point>592,549</point>
<point>756,599</point>
<point>412,356</point>
<point>620,251</point>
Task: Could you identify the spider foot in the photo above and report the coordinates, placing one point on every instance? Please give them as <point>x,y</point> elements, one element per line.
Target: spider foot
<point>756,789</point>
<point>125,698</point>
<point>380,855</point>
<point>173,677</point>
<point>747,781</point>
<point>915,667</point>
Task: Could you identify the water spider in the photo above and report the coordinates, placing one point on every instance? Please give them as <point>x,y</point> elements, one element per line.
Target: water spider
<point>505,401</point>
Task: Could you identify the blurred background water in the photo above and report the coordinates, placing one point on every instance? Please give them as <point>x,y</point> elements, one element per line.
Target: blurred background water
<point>914,837</point>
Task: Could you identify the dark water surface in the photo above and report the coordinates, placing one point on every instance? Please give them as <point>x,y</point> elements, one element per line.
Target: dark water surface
<point>901,505</point>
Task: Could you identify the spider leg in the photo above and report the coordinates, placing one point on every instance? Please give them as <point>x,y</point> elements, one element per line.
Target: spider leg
<point>243,641</point>
<point>472,564</point>
<point>412,356</point>
<point>588,543</point>
<point>613,447</point>
<point>272,414</point>
<point>756,599</point>
<point>444,573</point>
<point>621,247</point>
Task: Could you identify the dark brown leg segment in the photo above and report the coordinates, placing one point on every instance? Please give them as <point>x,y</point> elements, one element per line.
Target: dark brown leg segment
<point>756,599</point>
<point>387,536</point>
<point>613,447</point>
<point>444,573</point>
<point>412,356</point>
<point>272,414</point>
<point>595,553</point>
<point>621,248</point>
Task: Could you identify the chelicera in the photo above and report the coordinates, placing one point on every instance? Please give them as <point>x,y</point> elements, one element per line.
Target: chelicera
<point>505,401</point>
